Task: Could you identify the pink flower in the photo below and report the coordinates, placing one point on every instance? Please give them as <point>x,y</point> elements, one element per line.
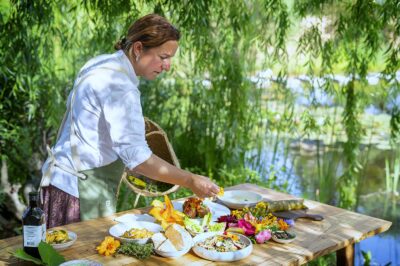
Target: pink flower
<point>263,236</point>
<point>247,227</point>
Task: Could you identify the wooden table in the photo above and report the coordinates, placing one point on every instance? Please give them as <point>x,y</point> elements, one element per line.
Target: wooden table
<point>337,232</point>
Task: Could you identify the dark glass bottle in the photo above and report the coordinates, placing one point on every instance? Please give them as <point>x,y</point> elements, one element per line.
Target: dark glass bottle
<point>34,226</point>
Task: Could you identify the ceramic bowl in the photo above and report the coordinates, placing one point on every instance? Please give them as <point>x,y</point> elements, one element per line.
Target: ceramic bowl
<point>277,239</point>
<point>174,254</point>
<point>221,256</point>
<point>81,263</point>
<point>72,236</point>
<point>239,199</point>
<point>119,229</point>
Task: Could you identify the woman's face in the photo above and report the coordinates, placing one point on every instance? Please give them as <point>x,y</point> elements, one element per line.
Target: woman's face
<point>154,61</point>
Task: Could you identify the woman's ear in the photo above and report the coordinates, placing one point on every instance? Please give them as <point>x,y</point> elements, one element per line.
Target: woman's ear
<point>137,49</point>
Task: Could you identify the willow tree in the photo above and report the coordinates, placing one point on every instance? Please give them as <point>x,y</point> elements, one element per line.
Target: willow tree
<point>208,105</point>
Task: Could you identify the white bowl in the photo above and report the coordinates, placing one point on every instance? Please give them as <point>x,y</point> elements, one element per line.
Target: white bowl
<point>131,217</point>
<point>221,256</point>
<point>179,253</point>
<point>174,254</point>
<point>239,199</point>
<point>283,241</point>
<point>81,263</point>
<point>119,229</point>
<point>72,236</point>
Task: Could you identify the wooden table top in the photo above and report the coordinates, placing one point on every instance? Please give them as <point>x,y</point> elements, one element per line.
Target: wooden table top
<point>339,229</point>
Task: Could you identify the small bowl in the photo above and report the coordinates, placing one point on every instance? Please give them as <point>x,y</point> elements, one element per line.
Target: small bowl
<point>281,240</point>
<point>119,229</point>
<point>81,263</point>
<point>72,236</point>
<point>221,256</point>
<point>239,199</point>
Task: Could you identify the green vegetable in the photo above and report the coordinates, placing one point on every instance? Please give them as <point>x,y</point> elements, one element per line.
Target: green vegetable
<point>216,227</point>
<point>193,225</point>
<point>49,256</point>
<point>136,250</point>
<point>206,220</point>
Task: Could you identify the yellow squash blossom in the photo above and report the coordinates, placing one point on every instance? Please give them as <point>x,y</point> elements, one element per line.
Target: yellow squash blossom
<point>109,246</point>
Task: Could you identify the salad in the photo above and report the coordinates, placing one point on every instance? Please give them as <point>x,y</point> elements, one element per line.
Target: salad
<point>196,226</point>
<point>223,243</point>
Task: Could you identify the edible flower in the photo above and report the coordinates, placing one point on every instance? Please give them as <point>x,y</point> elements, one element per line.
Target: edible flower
<point>108,247</point>
<point>289,222</point>
<point>282,224</point>
<point>247,227</point>
<point>263,236</point>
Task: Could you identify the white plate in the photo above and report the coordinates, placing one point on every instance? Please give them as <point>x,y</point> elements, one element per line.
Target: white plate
<point>72,236</point>
<point>119,229</point>
<point>81,263</point>
<point>130,217</point>
<point>217,210</point>
<point>239,199</point>
<point>221,256</point>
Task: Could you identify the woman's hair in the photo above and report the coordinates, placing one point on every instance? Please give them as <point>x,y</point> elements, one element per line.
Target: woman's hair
<point>151,30</point>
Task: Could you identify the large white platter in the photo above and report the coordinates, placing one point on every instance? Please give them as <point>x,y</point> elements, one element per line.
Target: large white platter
<point>119,229</point>
<point>239,199</point>
<point>221,256</point>
<point>217,210</point>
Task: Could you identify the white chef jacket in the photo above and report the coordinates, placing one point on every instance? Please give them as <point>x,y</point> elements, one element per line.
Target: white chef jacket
<point>108,120</point>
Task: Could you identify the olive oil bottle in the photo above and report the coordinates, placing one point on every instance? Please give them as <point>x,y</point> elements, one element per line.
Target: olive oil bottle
<point>34,226</point>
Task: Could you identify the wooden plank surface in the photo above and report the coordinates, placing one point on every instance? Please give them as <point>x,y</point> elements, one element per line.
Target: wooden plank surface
<point>339,229</point>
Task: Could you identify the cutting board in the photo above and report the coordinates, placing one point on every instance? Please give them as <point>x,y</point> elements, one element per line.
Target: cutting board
<point>295,214</point>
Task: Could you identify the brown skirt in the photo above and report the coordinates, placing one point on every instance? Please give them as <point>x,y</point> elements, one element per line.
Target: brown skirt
<point>60,207</point>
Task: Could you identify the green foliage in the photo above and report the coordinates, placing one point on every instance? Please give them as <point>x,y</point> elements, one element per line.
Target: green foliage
<point>215,115</point>
<point>49,256</point>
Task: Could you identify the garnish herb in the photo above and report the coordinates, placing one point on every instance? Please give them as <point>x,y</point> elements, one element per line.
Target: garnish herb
<point>136,250</point>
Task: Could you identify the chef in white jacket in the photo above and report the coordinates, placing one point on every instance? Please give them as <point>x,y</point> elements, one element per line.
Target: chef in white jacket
<point>103,129</point>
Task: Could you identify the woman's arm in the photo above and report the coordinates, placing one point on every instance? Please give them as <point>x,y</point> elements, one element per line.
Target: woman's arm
<point>160,170</point>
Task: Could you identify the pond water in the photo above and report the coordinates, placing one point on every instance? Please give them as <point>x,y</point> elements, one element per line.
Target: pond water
<point>310,170</point>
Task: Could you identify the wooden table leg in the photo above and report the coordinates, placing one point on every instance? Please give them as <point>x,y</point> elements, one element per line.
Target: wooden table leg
<point>345,256</point>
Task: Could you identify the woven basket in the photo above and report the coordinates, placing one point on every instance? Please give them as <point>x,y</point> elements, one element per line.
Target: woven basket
<point>158,142</point>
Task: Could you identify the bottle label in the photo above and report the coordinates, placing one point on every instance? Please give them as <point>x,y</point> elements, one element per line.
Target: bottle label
<point>44,232</point>
<point>32,235</point>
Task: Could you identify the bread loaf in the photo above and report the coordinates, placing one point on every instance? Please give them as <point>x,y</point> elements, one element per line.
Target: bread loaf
<point>178,236</point>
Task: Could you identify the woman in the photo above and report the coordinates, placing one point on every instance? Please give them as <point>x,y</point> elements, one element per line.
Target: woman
<point>103,129</point>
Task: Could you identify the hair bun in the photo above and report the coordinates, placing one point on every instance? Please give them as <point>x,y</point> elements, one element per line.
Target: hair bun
<point>120,45</point>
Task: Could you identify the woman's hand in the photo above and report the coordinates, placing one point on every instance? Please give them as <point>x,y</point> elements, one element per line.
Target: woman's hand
<point>202,186</point>
<point>158,169</point>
